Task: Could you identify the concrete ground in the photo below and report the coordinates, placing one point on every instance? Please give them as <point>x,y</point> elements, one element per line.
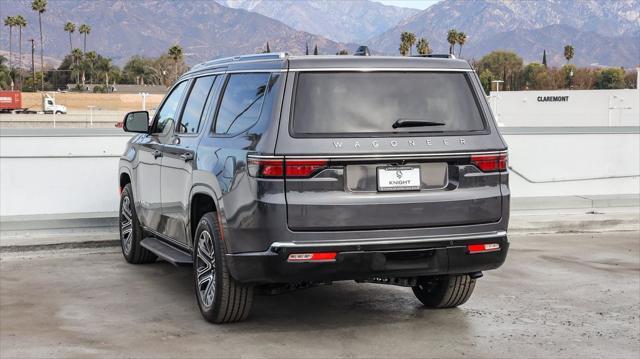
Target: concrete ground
<point>558,295</point>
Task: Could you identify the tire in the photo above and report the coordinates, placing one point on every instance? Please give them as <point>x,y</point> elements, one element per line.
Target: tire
<point>444,292</point>
<point>220,297</point>
<point>130,231</point>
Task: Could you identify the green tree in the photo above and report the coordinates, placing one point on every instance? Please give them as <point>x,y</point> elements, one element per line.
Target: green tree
<point>176,54</point>
<point>423,46</point>
<point>315,50</point>
<point>342,52</point>
<point>452,39</point>
<point>532,74</point>
<point>90,59</point>
<point>568,71</point>
<point>544,58</point>
<point>85,30</point>
<point>21,23</point>
<point>76,67</point>
<point>70,28</point>
<point>461,38</point>
<point>10,22</point>
<point>610,78</point>
<point>568,52</point>
<point>40,6</point>
<point>504,65</point>
<point>105,69</point>
<point>407,40</point>
<point>404,49</point>
<point>485,79</point>
<point>306,48</point>
<point>5,82</point>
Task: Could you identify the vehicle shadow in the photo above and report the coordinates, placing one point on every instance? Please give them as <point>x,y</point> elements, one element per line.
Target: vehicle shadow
<point>339,305</point>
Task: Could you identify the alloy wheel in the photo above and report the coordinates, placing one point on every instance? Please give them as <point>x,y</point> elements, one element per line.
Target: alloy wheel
<point>126,225</point>
<point>206,269</point>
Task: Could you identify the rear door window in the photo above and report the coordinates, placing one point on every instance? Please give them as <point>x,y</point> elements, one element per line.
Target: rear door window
<point>192,114</point>
<point>369,103</point>
<point>241,102</point>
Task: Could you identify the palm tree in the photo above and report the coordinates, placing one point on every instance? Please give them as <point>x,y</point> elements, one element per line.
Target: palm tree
<point>20,23</point>
<point>76,56</point>
<point>568,53</point>
<point>423,46</point>
<point>452,39</point>
<point>40,6</point>
<point>176,54</point>
<point>104,67</point>
<point>408,39</point>
<point>404,49</point>
<point>461,39</point>
<point>90,58</point>
<point>10,21</point>
<point>70,28</point>
<point>84,30</point>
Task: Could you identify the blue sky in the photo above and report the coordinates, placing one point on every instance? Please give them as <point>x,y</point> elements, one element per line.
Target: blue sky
<point>416,4</point>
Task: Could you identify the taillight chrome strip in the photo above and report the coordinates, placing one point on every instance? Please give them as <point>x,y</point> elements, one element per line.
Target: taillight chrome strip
<point>400,156</point>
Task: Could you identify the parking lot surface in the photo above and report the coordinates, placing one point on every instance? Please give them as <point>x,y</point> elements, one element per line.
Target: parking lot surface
<point>562,295</point>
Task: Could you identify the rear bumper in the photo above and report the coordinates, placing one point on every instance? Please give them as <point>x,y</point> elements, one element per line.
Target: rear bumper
<point>365,259</point>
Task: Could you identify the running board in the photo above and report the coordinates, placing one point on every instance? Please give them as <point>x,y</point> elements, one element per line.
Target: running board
<point>167,252</point>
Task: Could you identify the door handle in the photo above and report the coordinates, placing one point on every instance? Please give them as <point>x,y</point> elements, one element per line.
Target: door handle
<point>156,154</point>
<point>187,156</point>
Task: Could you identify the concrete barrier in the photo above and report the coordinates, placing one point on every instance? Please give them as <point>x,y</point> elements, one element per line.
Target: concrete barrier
<point>64,173</point>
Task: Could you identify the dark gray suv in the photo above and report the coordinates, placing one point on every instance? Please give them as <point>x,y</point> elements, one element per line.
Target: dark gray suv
<point>267,172</point>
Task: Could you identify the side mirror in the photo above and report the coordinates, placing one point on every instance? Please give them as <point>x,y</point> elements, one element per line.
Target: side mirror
<point>136,121</point>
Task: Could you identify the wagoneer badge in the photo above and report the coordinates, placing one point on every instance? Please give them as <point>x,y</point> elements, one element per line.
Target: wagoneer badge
<point>394,143</point>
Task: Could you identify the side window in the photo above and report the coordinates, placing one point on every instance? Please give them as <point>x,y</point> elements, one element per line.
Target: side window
<point>241,102</point>
<point>190,120</point>
<point>168,112</point>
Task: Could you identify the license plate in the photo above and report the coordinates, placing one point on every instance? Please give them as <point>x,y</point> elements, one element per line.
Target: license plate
<point>398,179</point>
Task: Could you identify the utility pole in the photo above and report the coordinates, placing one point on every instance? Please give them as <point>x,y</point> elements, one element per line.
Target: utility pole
<point>33,64</point>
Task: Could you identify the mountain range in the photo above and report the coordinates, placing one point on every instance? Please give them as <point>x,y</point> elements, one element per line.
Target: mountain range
<point>122,28</point>
<point>603,32</point>
<point>340,20</point>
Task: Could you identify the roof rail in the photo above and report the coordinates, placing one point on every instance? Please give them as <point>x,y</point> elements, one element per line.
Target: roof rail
<point>439,56</point>
<point>249,57</point>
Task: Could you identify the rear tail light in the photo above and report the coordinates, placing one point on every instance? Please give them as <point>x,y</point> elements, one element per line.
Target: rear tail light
<point>490,163</point>
<point>279,167</point>
<point>303,168</point>
<point>483,248</point>
<point>312,257</point>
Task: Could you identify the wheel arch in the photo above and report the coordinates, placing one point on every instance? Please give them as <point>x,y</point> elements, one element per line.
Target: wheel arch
<point>202,200</point>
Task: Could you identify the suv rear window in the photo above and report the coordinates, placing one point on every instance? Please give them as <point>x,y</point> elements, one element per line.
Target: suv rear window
<point>361,103</point>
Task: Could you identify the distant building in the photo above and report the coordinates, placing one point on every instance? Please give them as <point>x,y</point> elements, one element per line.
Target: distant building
<point>151,89</point>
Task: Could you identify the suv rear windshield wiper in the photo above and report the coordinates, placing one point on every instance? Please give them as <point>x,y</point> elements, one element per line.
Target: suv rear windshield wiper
<point>406,122</point>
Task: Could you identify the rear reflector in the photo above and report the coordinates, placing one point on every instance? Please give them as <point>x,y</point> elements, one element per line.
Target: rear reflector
<point>312,257</point>
<point>490,163</point>
<point>483,248</point>
<point>279,167</point>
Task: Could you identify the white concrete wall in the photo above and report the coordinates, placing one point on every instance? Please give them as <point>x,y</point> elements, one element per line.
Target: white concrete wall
<point>582,108</point>
<point>78,174</point>
<point>69,173</point>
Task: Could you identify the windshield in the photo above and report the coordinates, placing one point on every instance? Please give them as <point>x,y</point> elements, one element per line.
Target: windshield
<point>360,103</point>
